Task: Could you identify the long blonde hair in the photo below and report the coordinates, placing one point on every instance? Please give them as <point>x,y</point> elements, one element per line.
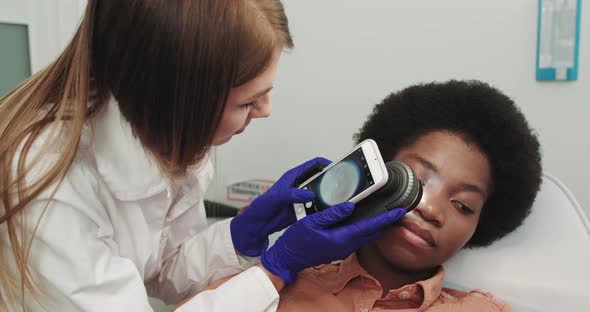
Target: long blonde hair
<point>169,64</point>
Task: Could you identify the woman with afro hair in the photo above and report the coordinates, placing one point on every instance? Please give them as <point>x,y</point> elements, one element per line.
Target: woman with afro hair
<point>480,166</point>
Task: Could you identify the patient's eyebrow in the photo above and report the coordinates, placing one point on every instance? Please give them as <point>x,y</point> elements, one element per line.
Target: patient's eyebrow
<point>430,166</point>
<point>423,162</point>
<point>473,188</point>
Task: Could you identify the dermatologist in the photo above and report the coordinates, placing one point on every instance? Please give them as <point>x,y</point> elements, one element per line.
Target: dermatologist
<point>105,161</point>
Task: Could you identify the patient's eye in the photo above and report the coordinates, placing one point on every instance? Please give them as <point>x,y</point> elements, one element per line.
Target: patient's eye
<point>462,207</point>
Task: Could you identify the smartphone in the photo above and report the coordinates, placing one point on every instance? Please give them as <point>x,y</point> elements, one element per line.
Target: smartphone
<point>351,178</point>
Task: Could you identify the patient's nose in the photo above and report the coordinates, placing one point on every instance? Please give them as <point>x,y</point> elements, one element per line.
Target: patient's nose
<point>431,207</point>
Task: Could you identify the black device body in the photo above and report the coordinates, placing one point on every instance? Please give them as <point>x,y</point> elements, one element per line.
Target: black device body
<point>218,210</point>
<point>402,190</point>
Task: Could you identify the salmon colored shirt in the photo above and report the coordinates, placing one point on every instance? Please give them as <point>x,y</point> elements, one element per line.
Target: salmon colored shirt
<point>348,287</point>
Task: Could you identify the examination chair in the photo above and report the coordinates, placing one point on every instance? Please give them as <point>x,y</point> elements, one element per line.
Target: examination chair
<point>543,266</point>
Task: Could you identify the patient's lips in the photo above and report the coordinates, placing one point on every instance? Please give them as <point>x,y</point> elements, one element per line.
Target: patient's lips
<point>416,234</point>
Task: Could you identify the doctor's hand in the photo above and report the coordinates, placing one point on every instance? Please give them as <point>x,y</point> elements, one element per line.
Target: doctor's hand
<point>314,240</point>
<point>270,212</point>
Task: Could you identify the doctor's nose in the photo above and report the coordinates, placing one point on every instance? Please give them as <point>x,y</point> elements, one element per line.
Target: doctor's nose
<point>263,108</point>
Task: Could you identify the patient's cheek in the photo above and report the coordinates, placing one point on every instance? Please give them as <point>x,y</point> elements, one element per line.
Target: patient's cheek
<point>396,252</point>
<point>390,243</point>
<point>388,236</point>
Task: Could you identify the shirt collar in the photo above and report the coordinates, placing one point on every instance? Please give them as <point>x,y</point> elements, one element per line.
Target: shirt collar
<point>336,277</point>
<point>121,160</point>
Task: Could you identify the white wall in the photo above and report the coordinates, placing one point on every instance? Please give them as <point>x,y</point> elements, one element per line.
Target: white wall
<point>351,54</point>
<point>51,25</point>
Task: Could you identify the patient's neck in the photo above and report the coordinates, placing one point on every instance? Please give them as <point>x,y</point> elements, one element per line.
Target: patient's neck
<point>390,277</point>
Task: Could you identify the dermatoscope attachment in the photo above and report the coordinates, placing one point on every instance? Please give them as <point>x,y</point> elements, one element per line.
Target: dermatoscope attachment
<point>402,190</point>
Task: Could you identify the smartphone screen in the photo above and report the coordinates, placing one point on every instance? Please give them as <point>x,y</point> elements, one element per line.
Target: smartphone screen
<point>340,183</point>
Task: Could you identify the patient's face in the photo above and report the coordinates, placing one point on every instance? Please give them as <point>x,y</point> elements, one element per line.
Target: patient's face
<point>456,179</point>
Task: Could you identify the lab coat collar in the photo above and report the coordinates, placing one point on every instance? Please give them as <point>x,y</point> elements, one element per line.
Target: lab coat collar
<point>121,160</point>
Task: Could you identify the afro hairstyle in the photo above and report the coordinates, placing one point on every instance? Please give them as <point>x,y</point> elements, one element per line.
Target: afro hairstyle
<point>483,116</point>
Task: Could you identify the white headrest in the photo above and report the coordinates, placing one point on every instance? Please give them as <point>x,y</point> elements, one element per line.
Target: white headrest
<point>543,266</point>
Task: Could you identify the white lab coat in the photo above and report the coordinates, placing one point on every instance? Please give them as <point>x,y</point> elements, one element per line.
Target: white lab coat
<point>117,231</point>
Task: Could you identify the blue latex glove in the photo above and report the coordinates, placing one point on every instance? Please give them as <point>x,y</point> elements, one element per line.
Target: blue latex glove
<point>314,240</point>
<point>270,212</point>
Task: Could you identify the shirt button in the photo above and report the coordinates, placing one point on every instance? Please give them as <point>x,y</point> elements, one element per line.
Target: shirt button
<point>404,295</point>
